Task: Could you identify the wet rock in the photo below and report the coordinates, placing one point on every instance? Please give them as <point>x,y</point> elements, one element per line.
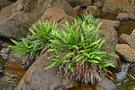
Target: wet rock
<point>37,78</point>
<point>1,64</point>
<point>92,10</point>
<point>128,39</point>
<point>5,45</point>
<point>125,52</point>
<point>122,16</point>
<point>5,51</point>
<point>17,58</point>
<point>106,84</point>
<point>131,15</point>
<point>112,23</point>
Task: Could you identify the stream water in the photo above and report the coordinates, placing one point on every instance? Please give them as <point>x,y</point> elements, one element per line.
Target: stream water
<point>10,72</point>
<point>126,77</point>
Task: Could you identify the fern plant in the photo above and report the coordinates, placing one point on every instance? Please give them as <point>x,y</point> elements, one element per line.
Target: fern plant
<point>78,51</point>
<point>35,43</point>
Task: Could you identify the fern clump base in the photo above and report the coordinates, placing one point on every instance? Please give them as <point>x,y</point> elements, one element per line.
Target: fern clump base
<point>79,52</point>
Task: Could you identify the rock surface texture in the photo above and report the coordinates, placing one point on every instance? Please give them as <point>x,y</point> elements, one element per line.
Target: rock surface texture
<point>125,52</point>
<point>36,78</point>
<point>111,40</point>
<point>122,16</point>
<point>128,39</point>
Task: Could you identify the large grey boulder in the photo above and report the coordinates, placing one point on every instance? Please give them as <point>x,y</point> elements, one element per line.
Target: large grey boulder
<point>125,52</point>
<point>36,78</point>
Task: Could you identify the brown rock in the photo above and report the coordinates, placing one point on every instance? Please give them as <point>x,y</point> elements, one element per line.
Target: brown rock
<point>6,12</point>
<point>37,78</point>
<point>128,39</point>
<point>125,52</point>
<point>106,84</point>
<point>111,40</point>
<point>4,3</point>
<point>27,12</point>
<point>132,15</point>
<point>122,16</point>
<point>112,23</point>
<point>133,32</point>
<point>79,10</point>
<point>92,10</point>
<point>56,14</point>
<point>29,5</point>
<point>74,3</point>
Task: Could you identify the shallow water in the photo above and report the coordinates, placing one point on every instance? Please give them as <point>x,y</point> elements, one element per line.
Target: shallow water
<point>126,78</point>
<point>11,74</point>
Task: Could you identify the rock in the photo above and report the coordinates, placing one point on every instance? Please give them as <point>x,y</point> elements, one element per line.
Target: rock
<point>79,10</point>
<point>56,14</point>
<point>4,3</point>
<point>99,3</point>
<point>111,40</point>
<point>5,45</point>
<point>13,27</point>
<point>133,32</point>
<point>92,10</point>
<point>37,78</point>
<point>17,59</point>
<point>106,84</point>
<point>74,3</point>
<point>122,16</point>
<point>1,65</point>
<point>27,12</point>
<point>29,5</point>
<point>112,23</point>
<point>110,5</point>
<point>128,39</point>
<point>125,52</point>
<point>6,12</point>
<point>5,51</point>
<point>131,15</point>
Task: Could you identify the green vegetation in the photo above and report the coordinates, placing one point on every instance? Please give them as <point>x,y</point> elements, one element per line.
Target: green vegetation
<point>94,1</point>
<point>76,50</point>
<point>36,43</point>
